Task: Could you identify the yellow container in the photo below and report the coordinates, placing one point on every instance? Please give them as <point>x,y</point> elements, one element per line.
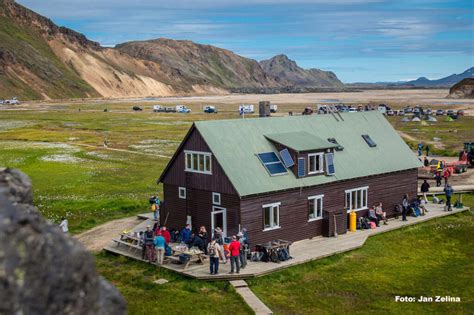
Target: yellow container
<point>352,221</point>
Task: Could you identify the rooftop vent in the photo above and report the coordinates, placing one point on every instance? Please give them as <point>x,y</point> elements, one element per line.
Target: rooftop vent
<point>369,141</point>
<point>339,147</point>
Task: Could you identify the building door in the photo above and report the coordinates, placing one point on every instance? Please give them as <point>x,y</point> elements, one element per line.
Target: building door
<point>219,219</point>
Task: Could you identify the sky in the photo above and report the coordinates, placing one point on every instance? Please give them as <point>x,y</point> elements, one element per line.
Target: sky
<point>359,40</point>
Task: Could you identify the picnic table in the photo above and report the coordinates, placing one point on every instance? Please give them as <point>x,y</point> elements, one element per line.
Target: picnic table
<point>130,240</point>
<point>195,255</point>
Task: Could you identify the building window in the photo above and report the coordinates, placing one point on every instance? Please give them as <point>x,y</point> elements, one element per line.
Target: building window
<point>315,163</point>
<point>182,192</point>
<point>271,216</point>
<point>198,162</point>
<point>315,207</point>
<point>216,198</point>
<point>356,199</point>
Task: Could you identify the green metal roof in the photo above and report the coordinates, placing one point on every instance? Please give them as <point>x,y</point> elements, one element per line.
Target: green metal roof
<point>300,141</point>
<point>235,143</point>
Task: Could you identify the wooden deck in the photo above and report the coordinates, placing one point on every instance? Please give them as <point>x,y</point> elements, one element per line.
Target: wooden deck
<point>301,251</point>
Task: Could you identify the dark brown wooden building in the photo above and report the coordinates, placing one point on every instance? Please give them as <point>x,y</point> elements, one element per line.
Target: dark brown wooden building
<point>287,177</point>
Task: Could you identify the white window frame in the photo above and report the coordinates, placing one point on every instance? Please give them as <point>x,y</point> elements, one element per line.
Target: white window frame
<point>182,192</point>
<point>200,155</point>
<point>360,206</point>
<point>214,195</point>
<point>320,155</point>
<point>315,199</point>
<point>273,225</point>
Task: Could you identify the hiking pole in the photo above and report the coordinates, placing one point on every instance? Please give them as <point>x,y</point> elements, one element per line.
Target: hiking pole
<point>166,219</point>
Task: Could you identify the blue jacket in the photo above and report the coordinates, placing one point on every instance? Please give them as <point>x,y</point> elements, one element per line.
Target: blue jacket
<point>449,191</point>
<point>185,235</point>
<point>159,242</point>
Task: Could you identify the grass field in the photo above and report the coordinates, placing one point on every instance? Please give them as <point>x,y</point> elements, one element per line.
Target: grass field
<point>180,296</point>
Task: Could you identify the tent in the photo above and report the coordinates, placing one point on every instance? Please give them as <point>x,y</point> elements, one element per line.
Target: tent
<point>448,119</point>
<point>406,119</point>
<point>424,123</point>
<point>416,119</point>
<point>432,119</point>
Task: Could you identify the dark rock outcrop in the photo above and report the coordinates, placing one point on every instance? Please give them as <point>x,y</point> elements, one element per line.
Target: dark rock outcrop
<point>43,271</point>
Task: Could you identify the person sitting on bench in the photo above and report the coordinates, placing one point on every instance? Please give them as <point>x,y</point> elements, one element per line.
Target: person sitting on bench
<point>372,216</point>
<point>381,215</point>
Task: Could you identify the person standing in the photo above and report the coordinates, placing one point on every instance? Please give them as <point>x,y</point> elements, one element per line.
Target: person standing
<point>166,234</point>
<point>149,244</point>
<point>243,252</point>
<point>159,243</point>
<point>425,188</point>
<point>203,235</point>
<point>427,149</point>
<point>420,149</point>
<point>438,178</point>
<point>446,175</point>
<point>234,249</point>
<point>64,225</point>
<point>214,250</point>
<point>449,191</point>
<point>405,205</point>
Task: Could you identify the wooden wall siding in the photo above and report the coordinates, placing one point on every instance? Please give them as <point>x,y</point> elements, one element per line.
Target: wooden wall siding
<point>385,188</point>
<point>217,182</point>
<point>199,205</point>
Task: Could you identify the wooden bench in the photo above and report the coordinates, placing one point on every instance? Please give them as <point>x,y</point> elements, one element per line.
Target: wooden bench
<point>130,246</point>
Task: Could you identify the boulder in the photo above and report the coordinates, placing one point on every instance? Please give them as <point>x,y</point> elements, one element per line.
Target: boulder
<point>43,270</point>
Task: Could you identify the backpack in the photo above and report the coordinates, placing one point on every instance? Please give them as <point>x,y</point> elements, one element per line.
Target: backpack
<point>153,207</point>
<point>213,251</point>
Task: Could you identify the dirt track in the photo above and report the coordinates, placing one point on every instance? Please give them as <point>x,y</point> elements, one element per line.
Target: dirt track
<point>97,238</point>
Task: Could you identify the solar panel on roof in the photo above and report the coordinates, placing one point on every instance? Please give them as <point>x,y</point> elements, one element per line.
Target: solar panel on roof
<point>272,163</point>
<point>301,169</point>
<point>286,157</point>
<point>330,169</point>
<point>369,141</point>
<point>268,157</point>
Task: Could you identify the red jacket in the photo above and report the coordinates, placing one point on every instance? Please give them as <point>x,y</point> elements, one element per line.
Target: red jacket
<point>166,235</point>
<point>234,248</point>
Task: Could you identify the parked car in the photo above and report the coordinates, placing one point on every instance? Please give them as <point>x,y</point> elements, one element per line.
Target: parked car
<point>390,113</point>
<point>210,109</point>
<point>416,111</point>
<point>1,102</point>
<point>401,112</point>
<point>460,112</point>
<point>408,110</point>
<point>137,108</point>
<point>157,108</point>
<point>429,111</point>
<point>273,108</point>
<point>182,109</point>
<point>352,110</point>
<point>440,112</point>
<point>307,111</point>
<point>246,109</point>
<point>12,101</point>
<point>450,112</point>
